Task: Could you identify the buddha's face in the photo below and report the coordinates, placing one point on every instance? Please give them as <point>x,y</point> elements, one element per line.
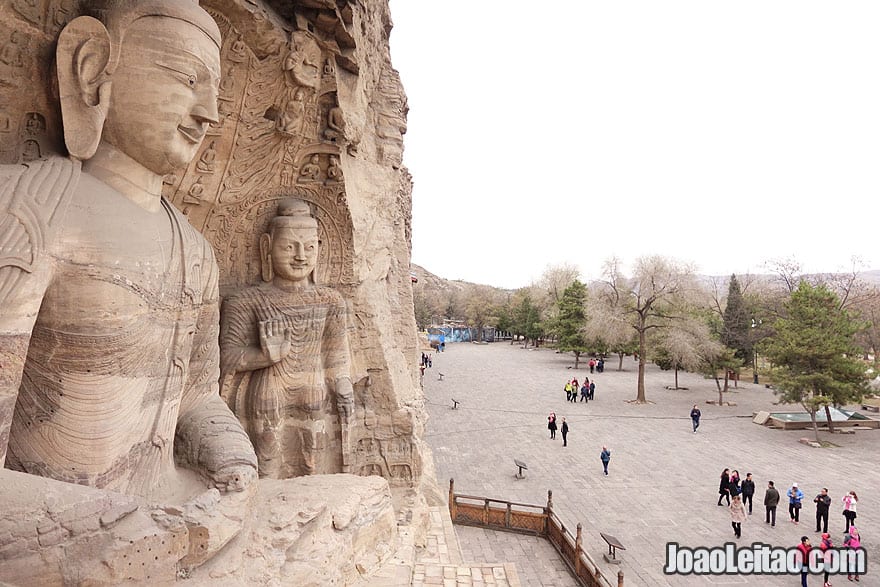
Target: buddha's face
<point>294,252</point>
<point>164,93</point>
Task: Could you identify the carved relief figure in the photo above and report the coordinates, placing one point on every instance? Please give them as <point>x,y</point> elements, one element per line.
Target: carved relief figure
<point>289,335</point>
<point>110,373</point>
<point>205,163</point>
<point>10,60</point>
<point>311,170</point>
<point>35,124</point>
<point>303,62</point>
<point>238,51</point>
<point>334,171</point>
<point>335,124</point>
<point>290,121</point>
<point>30,151</point>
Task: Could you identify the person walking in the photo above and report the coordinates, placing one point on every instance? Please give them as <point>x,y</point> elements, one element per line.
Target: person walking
<point>585,391</point>
<point>564,432</point>
<point>826,546</point>
<point>592,389</point>
<point>724,487</point>
<point>823,503</point>
<point>803,557</point>
<point>849,508</point>
<point>605,456</point>
<point>737,515</point>
<point>853,541</point>
<point>551,425</point>
<point>600,366</point>
<point>567,391</point>
<point>592,365</point>
<point>695,417</point>
<point>771,500</point>
<point>748,491</point>
<point>795,500</point>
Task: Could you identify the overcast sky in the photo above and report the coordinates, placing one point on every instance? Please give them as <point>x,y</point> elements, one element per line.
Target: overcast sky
<point>723,134</point>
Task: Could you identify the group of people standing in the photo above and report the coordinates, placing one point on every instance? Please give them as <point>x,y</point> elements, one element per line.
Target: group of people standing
<point>587,389</point>
<point>597,366</point>
<point>553,426</point>
<point>738,493</point>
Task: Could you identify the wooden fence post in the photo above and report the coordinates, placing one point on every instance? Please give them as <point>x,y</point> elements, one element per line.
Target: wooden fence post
<point>452,510</point>
<point>619,578</point>
<point>486,513</point>
<point>548,512</point>
<point>507,516</point>
<point>577,550</point>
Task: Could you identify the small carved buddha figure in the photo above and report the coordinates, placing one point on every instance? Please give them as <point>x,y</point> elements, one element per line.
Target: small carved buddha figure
<point>311,170</point>
<point>334,171</point>
<point>205,163</point>
<point>289,338</point>
<point>290,121</point>
<point>335,124</point>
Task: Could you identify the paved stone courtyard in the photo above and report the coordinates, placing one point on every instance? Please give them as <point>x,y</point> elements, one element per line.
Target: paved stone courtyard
<point>663,479</point>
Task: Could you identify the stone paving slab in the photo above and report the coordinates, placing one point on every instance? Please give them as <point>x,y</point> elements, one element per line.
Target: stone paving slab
<point>663,479</point>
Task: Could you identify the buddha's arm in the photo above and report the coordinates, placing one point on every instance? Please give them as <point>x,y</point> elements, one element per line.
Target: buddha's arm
<point>21,294</point>
<point>209,437</point>
<point>336,352</point>
<point>33,202</point>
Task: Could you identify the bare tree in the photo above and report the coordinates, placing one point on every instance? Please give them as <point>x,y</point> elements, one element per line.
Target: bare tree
<point>648,300</point>
<point>556,278</point>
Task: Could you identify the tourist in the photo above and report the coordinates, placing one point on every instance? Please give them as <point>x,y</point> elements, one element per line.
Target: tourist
<point>551,425</point>
<point>592,365</point>
<point>849,508</point>
<point>564,432</point>
<point>567,391</point>
<point>734,483</point>
<point>795,499</point>
<point>826,546</point>
<point>695,417</point>
<point>724,487</point>
<point>852,541</point>
<point>748,491</point>
<point>592,389</point>
<point>574,390</point>
<point>823,502</point>
<point>585,391</point>
<point>804,549</point>
<point>737,515</point>
<point>600,366</point>
<point>771,500</point>
<point>605,456</point>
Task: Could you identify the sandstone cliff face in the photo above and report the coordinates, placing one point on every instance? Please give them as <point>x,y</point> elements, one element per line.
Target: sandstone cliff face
<point>310,107</point>
<point>303,83</point>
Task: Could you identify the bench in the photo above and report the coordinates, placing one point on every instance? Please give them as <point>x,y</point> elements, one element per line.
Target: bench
<point>455,403</point>
<point>522,466</point>
<point>441,376</point>
<point>613,545</point>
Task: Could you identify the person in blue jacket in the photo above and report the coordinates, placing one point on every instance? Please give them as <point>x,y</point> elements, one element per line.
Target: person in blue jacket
<point>795,500</point>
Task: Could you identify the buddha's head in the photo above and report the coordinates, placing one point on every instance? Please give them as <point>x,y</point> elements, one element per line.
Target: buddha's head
<point>142,76</point>
<point>289,248</point>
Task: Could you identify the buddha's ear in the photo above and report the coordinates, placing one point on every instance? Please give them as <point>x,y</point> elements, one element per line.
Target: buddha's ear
<point>82,58</point>
<point>266,257</point>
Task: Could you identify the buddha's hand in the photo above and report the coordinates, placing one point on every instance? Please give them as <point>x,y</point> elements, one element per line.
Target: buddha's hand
<point>274,341</point>
<point>235,477</point>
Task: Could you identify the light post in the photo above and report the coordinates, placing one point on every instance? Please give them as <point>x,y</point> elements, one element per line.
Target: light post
<point>755,324</point>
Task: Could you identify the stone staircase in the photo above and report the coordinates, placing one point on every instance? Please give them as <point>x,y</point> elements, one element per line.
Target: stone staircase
<point>439,562</point>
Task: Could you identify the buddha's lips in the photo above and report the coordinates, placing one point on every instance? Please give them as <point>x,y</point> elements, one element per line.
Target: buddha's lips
<point>193,135</point>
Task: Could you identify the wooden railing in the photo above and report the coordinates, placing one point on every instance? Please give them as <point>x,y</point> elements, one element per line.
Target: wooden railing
<point>536,520</point>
